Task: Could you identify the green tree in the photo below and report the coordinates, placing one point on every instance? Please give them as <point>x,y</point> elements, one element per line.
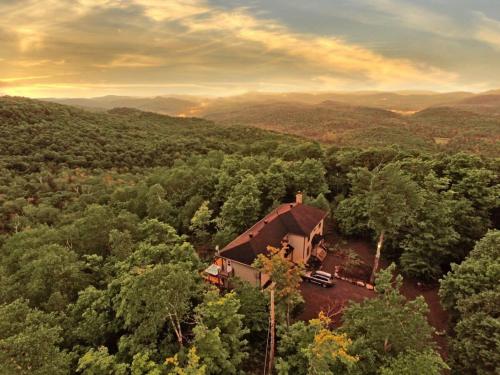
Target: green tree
<point>312,348</point>
<point>387,325</point>
<point>161,244</point>
<point>286,277</point>
<point>219,333</point>
<point>253,307</point>
<point>242,207</point>
<point>50,277</point>
<point>158,207</point>
<point>200,222</point>
<point>415,363</point>
<point>470,291</point>
<point>90,233</point>
<point>273,183</point>
<point>91,320</point>
<point>156,232</point>
<point>153,296</point>
<point>320,202</point>
<point>100,362</point>
<point>192,366</point>
<point>308,176</point>
<point>30,341</point>
<point>142,364</point>
<point>430,240</point>
<point>293,341</point>
<point>389,197</point>
<point>121,243</point>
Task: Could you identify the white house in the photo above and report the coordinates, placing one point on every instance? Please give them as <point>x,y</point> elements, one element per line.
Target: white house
<point>295,228</point>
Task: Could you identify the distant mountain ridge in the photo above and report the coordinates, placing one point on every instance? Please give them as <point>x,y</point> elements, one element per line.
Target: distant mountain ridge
<point>159,104</point>
<point>433,121</point>
<point>35,134</point>
<point>485,104</point>
<point>408,101</point>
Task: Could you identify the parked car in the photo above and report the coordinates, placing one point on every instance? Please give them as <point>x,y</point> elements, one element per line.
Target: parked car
<point>321,278</point>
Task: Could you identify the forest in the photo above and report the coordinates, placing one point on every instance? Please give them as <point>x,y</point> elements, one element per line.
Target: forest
<point>431,122</point>
<point>108,218</point>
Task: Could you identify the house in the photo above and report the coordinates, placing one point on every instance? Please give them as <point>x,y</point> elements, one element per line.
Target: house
<point>296,228</point>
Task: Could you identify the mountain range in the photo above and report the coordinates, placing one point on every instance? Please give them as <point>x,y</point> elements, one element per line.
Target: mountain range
<point>424,120</point>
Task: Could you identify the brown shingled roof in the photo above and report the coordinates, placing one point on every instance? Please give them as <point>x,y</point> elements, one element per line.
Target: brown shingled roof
<point>287,218</point>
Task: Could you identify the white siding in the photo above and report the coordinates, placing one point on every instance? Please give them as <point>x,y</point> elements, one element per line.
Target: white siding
<point>303,245</point>
<point>298,247</point>
<point>243,271</point>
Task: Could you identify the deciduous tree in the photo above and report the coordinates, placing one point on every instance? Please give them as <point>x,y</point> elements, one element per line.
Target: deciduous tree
<point>242,207</point>
<point>470,291</point>
<point>30,341</point>
<point>286,277</point>
<point>383,327</point>
<point>219,333</point>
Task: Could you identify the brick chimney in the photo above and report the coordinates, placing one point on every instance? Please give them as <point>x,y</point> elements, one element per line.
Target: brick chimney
<point>298,198</point>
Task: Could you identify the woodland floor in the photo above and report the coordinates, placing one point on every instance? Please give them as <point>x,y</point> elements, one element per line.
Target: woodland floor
<point>332,300</point>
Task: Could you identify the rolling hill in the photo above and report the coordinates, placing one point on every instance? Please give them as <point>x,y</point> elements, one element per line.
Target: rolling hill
<point>435,128</point>
<point>36,134</point>
<point>484,104</point>
<point>407,101</point>
<point>458,121</point>
<point>159,104</point>
<point>326,122</point>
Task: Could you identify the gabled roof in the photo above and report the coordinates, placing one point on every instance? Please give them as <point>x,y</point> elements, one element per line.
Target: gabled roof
<point>288,218</point>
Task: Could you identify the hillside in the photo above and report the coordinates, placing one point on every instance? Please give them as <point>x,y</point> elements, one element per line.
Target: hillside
<point>438,128</point>
<point>329,122</point>
<point>35,134</point>
<point>159,104</point>
<point>108,220</point>
<point>392,101</point>
<point>488,104</point>
<point>405,102</point>
<point>456,121</point>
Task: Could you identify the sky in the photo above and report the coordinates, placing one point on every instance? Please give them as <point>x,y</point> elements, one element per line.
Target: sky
<point>85,48</point>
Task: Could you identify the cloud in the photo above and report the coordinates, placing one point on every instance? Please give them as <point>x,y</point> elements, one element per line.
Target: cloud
<point>161,10</point>
<point>332,54</point>
<point>130,44</point>
<point>22,79</point>
<point>479,28</point>
<point>33,63</point>
<point>416,17</point>
<point>132,61</point>
<point>488,30</point>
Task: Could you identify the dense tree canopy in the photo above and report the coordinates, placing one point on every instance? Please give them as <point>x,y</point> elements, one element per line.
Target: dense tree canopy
<point>103,217</point>
<point>388,330</point>
<point>470,291</point>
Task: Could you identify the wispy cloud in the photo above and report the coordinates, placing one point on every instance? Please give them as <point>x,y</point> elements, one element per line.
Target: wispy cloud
<point>22,79</point>
<point>132,61</point>
<point>488,30</point>
<point>132,44</point>
<point>330,53</point>
<point>418,17</point>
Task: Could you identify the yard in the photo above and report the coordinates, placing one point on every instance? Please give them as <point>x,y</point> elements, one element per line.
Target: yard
<point>332,300</point>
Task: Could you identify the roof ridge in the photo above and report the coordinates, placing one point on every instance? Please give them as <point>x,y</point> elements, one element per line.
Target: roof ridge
<point>289,216</point>
<point>261,221</point>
